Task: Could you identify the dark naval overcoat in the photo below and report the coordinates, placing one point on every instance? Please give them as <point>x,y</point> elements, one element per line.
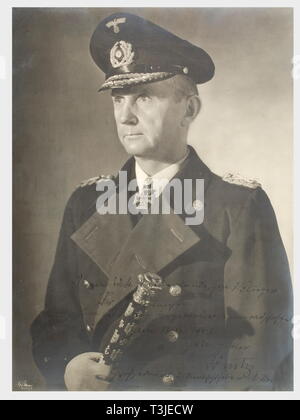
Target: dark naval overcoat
<point>223,318</point>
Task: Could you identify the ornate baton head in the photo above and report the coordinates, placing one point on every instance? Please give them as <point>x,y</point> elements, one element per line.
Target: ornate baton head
<point>149,284</point>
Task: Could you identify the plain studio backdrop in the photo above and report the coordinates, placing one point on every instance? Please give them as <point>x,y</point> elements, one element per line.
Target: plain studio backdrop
<point>64,130</point>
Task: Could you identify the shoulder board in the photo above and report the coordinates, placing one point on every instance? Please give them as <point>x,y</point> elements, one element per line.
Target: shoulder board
<point>237,179</point>
<point>95,179</point>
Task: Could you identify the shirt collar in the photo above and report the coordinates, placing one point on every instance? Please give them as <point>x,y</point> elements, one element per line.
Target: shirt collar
<point>161,178</point>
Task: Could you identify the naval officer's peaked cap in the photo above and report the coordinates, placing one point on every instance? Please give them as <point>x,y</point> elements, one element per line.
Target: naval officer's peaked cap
<point>131,50</point>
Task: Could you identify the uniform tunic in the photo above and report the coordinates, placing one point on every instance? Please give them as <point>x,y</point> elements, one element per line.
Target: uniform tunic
<point>223,318</point>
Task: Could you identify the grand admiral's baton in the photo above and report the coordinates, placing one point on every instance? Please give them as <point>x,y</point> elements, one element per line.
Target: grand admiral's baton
<point>148,285</point>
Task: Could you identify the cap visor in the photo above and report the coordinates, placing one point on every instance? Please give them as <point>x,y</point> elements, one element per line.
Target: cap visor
<point>124,80</point>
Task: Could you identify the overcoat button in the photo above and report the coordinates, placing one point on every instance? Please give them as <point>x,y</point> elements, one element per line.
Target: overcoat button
<point>46,359</point>
<point>88,328</point>
<point>172,336</point>
<point>87,284</point>
<point>175,290</point>
<point>168,379</point>
<point>197,205</point>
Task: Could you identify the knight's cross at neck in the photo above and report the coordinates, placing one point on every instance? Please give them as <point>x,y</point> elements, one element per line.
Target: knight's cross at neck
<point>143,198</point>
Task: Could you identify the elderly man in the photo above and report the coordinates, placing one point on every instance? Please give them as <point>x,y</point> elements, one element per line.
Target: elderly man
<point>147,301</point>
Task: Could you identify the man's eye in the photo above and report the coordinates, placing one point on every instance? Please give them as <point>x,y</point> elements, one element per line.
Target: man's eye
<point>117,99</point>
<point>144,98</point>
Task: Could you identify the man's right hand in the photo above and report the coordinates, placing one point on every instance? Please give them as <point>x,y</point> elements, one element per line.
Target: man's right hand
<point>85,373</point>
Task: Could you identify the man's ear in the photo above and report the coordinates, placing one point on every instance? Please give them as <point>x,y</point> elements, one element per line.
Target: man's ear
<point>193,106</point>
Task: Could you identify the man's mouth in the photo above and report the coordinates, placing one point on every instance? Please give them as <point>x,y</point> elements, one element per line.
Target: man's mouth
<point>133,134</point>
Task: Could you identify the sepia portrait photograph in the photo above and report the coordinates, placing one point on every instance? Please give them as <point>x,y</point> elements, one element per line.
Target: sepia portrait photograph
<point>152,199</point>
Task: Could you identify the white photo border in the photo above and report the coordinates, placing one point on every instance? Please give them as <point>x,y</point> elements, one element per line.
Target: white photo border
<point>6,392</point>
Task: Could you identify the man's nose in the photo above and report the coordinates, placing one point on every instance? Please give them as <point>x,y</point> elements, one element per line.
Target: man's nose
<point>127,114</point>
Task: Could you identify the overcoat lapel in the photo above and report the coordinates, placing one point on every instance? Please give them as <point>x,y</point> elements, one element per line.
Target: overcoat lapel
<point>123,250</point>
<point>155,241</point>
<point>101,236</point>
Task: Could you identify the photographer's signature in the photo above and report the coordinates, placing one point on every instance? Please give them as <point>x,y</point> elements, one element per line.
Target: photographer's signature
<point>24,386</point>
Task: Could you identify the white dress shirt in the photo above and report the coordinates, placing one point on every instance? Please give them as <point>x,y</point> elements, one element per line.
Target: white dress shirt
<point>161,178</point>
